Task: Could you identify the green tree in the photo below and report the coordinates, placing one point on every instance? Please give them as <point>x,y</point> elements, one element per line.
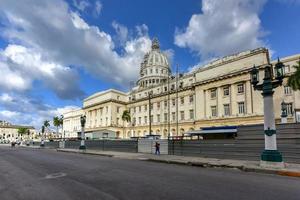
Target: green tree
<point>126,118</point>
<point>57,122</point>
<point>294,79</point>
<point>46,123</point>
<point>22,131</point>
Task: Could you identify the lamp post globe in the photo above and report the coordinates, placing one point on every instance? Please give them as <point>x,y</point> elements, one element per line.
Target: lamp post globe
<point>254,76</point>
<point>82,141</point>
<point>279,70</point>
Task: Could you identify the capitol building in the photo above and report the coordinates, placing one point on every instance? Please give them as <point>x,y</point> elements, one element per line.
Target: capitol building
<point>216,94</point>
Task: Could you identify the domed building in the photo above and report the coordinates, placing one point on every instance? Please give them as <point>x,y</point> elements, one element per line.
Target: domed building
<point>216,94</point>
<point>155,67</point>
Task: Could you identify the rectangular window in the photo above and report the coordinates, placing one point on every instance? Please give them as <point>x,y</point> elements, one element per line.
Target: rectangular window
<point>166,104</point>
<point>173,102</point>
<point>289,108</point>
<point>213,93</point>
<point>240,88</point>
<point>158,118</point>
<point>226,91</point>
<point>158,105</point>
<point>151,106</point>
<point>166,88</point>
<point>191,114</point>
<point>181,100</point>
<point>151,118</point>
<point>213,111</point>
<point>134,120</point>
<point>172,87</point>
<point>140,108</point>
<point>140,120</point>
<point>118,109</point>
<point>145,107</point>
<point>287,90</point>
<point>145,119</point>
<point>191,98</point>
<point>226,110</point>
<point>117,121</point>
<point>173,116</point>
<point>181,115</point>
<point>165,117</point>
<point>241,107</point>
<point>181,85</point>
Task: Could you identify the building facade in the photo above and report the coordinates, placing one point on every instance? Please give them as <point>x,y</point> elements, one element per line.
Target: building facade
<point>216,94</point>
<point>9,132</point>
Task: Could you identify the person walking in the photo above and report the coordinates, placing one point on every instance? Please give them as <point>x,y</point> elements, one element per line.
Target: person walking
<point>157,148</point>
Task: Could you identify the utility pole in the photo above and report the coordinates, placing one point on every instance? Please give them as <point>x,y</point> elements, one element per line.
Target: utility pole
<point>150,123</point>
<point>169,129</point>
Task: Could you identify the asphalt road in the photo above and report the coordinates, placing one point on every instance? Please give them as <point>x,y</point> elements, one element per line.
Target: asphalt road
<point>47,174</point>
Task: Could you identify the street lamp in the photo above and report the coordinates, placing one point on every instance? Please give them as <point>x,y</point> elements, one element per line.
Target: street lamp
<point>42,141</point>
<point>82,121</point>
<point>270,156</point>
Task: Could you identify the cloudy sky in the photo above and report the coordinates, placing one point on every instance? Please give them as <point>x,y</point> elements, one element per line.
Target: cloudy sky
<point>54,53</point>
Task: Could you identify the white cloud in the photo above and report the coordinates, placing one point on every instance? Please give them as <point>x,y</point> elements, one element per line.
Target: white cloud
<point>5,97</point>
<point>67,39</point>
<point>23,65</point>
<point>98,8</point>
<point>27,110</point>
<point>122,32</point>
<point>6,114</point>
<point>81,4</point>
<point>224,27</point>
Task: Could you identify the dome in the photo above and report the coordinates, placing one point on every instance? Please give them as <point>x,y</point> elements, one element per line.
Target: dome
<point>155,57</point>
<point>155,66</point>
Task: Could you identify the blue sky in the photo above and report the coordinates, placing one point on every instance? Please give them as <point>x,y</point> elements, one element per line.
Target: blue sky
<point>54,53</point>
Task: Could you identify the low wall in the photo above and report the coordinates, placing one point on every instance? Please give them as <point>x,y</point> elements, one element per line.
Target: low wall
<point>248,144</point>
<point>106,145</point>
<point>148,146</point>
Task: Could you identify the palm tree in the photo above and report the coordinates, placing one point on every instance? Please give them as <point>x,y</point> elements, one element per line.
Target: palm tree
<point>294,79</point>
<point>56,123</point>
<point>46,124</point>
<point>125,117</point>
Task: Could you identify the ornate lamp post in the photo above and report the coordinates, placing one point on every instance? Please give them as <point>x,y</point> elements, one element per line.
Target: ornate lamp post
<point>42,141</point>
<point>270,156</point>
<point>283,112</point>
<point>82,121</point>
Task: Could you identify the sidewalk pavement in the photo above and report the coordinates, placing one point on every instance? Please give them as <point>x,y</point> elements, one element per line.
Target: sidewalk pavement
<point>244,165</point>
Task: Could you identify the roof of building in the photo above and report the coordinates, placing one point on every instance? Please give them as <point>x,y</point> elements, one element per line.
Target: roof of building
<point>105,92</point>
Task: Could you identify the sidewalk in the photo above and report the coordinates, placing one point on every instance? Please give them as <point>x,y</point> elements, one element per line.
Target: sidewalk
<point>248,166</point>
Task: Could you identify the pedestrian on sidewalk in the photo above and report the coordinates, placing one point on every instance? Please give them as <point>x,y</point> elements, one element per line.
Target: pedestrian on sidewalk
<point>157,148</point>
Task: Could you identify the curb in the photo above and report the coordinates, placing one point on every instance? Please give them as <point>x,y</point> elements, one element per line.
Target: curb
<point>289,173</point>
<point>84,152</point>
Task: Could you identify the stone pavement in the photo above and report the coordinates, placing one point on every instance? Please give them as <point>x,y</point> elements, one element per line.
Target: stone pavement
<point>244,165</point>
